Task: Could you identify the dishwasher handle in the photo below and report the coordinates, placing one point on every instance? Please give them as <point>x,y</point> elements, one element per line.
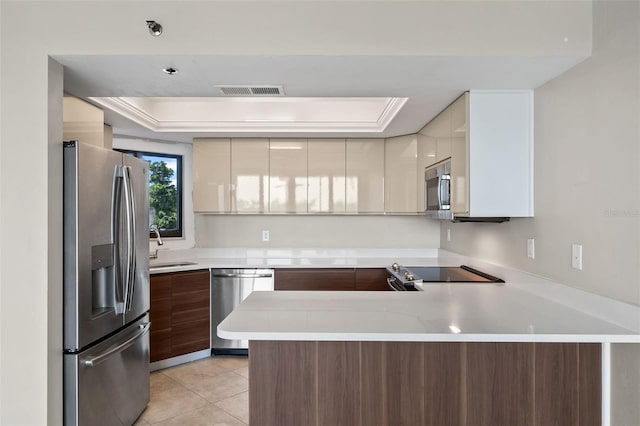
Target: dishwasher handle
<point>217,275</point>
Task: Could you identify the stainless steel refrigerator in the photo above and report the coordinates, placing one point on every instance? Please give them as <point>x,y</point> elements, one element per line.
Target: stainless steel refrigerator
<point>106,286</point>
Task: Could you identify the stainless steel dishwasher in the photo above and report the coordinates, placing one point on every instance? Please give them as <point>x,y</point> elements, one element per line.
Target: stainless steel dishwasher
<point>229,287</point>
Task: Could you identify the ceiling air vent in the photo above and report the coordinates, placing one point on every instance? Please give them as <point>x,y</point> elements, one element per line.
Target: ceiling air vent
<point>252,90</point>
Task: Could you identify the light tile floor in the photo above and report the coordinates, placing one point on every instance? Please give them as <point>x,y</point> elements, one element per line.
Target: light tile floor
<point>211,391</point>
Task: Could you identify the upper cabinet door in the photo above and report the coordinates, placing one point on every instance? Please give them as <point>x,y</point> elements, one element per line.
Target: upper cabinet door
<point>365,175</point>
<point>460,156</point>
<point>250,175</point>
<point>426,157</point>
<point>288,175</point>
<point>211,175</point>
<point>401,165</point>
<point>435,146</point>
<point>459,116</point>
<point>326,176</point>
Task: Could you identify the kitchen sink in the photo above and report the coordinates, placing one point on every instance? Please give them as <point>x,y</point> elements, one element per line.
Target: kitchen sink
<point>161,265</point>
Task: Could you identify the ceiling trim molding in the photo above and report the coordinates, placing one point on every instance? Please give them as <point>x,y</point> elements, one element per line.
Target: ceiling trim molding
<point>129,111</point>
<point>139,116</point>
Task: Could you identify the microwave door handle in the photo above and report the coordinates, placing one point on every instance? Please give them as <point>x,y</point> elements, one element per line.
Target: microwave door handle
<point>440,206</point>
<point>442,181</point>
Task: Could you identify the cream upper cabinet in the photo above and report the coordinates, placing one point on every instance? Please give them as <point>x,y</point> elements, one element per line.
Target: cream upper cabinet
<point>365,175</point>
<point>288,175</point>
<point>326,170</point>
<point>400,178</point>
<point>211,175</point>
<point>250,175</point>
<point>435,146</point>
<point>426,157</point>
<point>459,156</point>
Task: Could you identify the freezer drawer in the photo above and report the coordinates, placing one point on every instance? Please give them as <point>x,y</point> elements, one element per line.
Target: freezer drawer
<point>229,287</point>
<point>108,384</point>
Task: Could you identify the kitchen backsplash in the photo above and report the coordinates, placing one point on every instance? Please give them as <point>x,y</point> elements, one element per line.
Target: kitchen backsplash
<point>289,231</point>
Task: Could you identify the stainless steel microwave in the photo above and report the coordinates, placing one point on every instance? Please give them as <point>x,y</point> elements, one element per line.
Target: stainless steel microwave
<point>437,191</point>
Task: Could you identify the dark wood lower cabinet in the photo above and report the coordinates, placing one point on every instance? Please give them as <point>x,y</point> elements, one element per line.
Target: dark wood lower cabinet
<point>398,383</point>
<point>179,314</point>
<point>372,279</point>
<point>331,279</point>
<point>314,279</point>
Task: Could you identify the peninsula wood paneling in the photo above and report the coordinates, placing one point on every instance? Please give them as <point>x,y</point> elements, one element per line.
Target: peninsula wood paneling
<point>432,383</point>
<point>338,383</point>
<point>556,367</point>
<point>589,384</point>
<point>499,387</point>
<point>444,384</point>
<point>373,407</point>
<point>404,383</point>
<point>282,385</point>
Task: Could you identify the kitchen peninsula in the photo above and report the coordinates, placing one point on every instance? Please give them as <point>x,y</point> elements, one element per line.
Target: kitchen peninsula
<point>519,353</point>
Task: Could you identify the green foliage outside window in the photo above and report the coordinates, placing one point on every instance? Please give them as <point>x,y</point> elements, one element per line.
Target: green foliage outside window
<point>162,195</point>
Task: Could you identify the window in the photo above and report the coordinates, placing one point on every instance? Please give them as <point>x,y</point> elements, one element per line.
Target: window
<point>165,191</point>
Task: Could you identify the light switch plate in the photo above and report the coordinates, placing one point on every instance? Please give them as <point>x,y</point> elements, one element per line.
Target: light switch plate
<point>448,234</point>
<point>531,248</point>
<point>576,256</point>
<point>265,235</point>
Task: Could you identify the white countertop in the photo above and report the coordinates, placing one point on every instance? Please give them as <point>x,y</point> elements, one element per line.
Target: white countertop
<point>443,312</point>
<point>527,308</point>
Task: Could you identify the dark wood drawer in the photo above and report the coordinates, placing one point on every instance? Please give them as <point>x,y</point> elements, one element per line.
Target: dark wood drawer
<point>372,279</point>
<point>315,279</point>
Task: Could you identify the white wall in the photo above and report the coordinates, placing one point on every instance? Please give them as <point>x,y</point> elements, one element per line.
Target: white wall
<point>290,231</point>
<point>587,186</point>
<point>30,167</point>
<point>587,180</point>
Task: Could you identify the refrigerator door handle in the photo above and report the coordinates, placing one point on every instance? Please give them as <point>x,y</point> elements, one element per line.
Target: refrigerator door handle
<point>116,220</point>
<point>131,237</point>
<point>95,360</point>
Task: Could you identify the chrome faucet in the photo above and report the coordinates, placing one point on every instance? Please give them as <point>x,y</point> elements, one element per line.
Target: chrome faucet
<point>155,230</point>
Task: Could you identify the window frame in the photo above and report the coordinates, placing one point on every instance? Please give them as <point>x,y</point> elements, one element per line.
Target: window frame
<point>166,233</point>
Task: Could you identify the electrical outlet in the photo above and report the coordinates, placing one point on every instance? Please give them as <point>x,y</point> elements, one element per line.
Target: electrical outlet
<point>531,248</point>
<point>576,256</point>
<point>448,234</point>
<point>265,235</point>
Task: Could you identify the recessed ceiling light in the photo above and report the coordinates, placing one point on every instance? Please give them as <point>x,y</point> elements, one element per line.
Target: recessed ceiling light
<point>170,70</point>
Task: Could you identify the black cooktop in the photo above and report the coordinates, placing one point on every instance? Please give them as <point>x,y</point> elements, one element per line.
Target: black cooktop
<point>405,278</point>
<point>453,274</point>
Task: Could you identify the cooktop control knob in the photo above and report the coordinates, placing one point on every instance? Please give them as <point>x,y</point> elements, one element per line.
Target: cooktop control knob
<point>409,276</point>
<point>395,267</point>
